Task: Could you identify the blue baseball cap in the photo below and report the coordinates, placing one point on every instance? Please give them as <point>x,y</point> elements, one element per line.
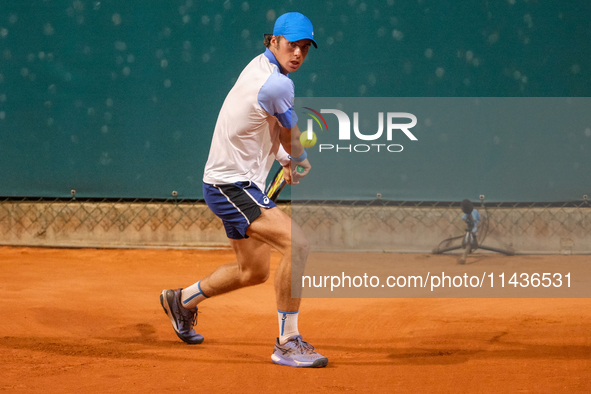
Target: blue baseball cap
<point>294,27</point>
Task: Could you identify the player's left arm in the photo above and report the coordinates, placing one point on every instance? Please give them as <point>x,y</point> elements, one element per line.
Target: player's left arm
<point>290,140</point>
<point>299,166</point>
<point>276,97</point>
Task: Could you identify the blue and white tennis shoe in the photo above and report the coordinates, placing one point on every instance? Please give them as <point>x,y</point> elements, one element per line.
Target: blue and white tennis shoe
<point>183,320</point>
<point>297,353</point>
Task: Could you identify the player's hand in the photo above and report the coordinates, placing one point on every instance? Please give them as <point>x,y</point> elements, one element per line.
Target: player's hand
<point>287,174</point>
<point>298,171</point>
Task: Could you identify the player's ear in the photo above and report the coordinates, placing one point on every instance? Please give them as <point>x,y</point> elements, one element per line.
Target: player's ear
<point>275,40</point>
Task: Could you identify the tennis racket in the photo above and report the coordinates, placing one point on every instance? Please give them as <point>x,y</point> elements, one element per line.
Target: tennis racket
<point>278,183</point>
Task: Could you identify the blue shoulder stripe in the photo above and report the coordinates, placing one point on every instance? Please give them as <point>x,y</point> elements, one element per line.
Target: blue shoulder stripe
<point>276,97</point>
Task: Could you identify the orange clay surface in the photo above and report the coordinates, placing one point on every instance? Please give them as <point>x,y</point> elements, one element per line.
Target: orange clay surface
<point>90,321</point>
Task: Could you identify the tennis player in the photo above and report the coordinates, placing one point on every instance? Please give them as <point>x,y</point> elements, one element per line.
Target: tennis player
<point>256,125</point>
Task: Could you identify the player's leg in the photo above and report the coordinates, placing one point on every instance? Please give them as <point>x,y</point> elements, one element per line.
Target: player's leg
<point>276,228</point>
<point>235,205</point>
<point>251,268</point>
<point>253,255</point>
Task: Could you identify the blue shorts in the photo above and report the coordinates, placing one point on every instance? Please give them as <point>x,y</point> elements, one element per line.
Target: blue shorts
<point>237,204</point>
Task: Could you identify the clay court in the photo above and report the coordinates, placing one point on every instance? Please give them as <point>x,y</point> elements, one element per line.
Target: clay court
<point>108,111</point>
<point>89,320</point>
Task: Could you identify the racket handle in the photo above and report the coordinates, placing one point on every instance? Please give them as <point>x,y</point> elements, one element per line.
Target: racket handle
<point>300,169</point>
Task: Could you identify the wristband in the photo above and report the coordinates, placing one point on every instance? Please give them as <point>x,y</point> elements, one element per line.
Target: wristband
<point>299,159</point>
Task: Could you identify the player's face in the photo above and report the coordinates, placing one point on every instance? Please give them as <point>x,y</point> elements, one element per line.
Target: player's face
<point>290,54</point>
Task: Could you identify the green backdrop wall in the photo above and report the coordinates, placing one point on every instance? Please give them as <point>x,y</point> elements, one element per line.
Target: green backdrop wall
<point>119,99</point>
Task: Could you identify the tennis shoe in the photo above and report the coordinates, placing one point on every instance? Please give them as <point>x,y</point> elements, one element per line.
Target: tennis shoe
<point>183,319</point>
<point>297,353</point>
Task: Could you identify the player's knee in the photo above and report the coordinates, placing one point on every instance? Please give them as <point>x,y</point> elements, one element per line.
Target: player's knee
<point>255,276</point>
<point>259,276</point>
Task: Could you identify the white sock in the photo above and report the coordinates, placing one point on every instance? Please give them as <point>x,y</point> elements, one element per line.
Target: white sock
<point>288,325</point>
<point>192,295</point>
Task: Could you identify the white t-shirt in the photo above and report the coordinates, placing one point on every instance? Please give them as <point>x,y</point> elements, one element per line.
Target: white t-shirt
<point>246,136</point>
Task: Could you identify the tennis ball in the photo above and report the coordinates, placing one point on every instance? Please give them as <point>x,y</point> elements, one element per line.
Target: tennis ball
<point>306,143</point>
